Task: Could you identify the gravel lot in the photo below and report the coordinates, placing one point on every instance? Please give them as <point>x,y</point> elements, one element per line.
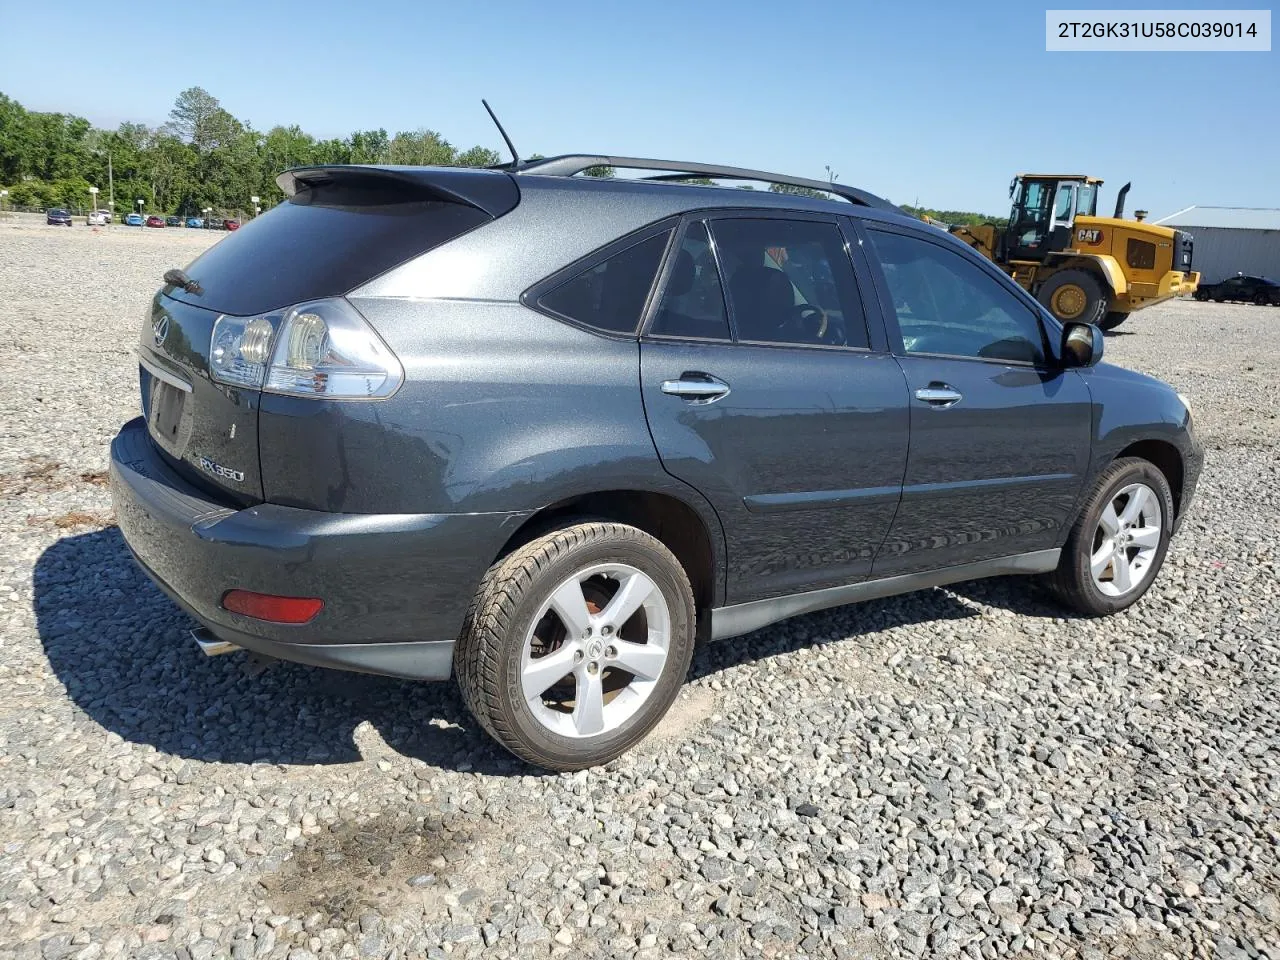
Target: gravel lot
<point>954,773</point>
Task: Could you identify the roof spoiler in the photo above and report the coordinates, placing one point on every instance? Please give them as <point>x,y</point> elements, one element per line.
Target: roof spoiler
<point>572,164</point>
<point>493,192</point>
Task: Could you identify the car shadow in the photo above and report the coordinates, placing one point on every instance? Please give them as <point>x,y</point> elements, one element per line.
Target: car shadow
<point>122,651</point>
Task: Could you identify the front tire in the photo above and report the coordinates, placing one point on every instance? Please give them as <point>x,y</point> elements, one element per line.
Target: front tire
<point>1075,296</point>
<point>1112,320</point>
<point>1117,545</point>
<point>576,644</point>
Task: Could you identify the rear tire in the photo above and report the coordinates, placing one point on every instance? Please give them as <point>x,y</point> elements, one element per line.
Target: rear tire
<point>536,605</point>
<point>1113,319</point>
<point>1075,296</point>
<point>1201,295</point>
<point>1118,543</point>
<point>1260,299</point>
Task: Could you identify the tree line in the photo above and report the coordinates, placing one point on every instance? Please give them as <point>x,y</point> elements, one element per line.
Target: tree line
<point>202,157</point>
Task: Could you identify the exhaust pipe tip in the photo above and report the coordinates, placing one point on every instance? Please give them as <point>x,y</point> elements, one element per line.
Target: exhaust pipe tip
<point>210,645</point>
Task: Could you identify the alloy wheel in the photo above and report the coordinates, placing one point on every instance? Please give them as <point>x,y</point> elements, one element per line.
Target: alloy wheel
<point>596,650</point>
<point>1127,540</point>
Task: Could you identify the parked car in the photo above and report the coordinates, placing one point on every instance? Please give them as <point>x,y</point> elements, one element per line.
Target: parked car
<point>1257,290</point>
<point>213,223</point>
<point>195,222</point>
<point>98,218</point>
<point>134,220</point>
<point>155,221</point>
<point>57,217</point>
<point>173,221</point>
<point>561,429</point>
<point>230,224</point>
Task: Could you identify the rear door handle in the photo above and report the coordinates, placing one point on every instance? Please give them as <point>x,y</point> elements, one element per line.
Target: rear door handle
<point>696,387</point>
<point>940,395</point>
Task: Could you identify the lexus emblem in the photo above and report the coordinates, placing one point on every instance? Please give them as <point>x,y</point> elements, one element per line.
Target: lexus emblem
<point>161,329</point>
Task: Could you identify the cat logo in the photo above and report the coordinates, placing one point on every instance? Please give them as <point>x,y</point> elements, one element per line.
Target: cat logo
<point>1084,235</point>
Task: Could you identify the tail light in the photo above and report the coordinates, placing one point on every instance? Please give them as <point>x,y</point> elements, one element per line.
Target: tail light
<point>319,349</point>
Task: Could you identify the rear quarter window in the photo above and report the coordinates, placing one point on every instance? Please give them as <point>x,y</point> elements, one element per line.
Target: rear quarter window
<point>610,295</point>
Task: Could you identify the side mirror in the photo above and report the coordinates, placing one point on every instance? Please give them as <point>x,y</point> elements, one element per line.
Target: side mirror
<point>1081,345</point>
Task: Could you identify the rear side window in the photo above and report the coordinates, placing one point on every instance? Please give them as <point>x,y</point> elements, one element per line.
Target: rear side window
<point>611,294</point>
<point>693,302</point>
<point>790,281</point>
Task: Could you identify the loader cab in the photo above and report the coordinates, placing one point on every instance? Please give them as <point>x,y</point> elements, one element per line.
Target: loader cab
<point>1044,208</point>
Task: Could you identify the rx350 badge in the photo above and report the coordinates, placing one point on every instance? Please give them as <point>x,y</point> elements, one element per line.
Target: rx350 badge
<point>218,470</point>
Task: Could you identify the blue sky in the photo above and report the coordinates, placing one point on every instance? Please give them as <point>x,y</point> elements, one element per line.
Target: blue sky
<point>937,101</point>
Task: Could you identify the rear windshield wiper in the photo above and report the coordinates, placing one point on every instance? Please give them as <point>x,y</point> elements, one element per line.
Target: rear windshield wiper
<point>178,278</point>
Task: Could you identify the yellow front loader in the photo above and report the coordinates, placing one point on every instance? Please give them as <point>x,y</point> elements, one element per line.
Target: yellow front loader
<point>1079,265</point>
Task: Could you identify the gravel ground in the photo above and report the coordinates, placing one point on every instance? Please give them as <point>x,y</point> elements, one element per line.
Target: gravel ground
<point>953,773</point>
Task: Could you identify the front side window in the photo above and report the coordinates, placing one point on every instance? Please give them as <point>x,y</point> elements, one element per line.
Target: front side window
<point>611,294</point>
<point>790,281</point>
<point>948,306</point>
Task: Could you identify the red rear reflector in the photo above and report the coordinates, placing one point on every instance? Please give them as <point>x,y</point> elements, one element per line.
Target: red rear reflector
<point>265,606</point>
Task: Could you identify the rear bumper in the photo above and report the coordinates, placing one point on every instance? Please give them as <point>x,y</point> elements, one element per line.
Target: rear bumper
<point>396,587</point>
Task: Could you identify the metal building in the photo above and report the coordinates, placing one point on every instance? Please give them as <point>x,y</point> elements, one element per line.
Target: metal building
<point>1231,240</point>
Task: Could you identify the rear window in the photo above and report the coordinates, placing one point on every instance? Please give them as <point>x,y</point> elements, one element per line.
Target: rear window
<point>611,294</point>
<point>304,250</point>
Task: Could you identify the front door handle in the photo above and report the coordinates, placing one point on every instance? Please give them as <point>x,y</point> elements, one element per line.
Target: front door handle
<point>696,387</point>
<point>940,395</point>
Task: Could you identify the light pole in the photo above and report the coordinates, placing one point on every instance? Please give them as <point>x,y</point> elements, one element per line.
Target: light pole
<point>140,204</point>
<point>3,194</point>
<point>93,199</point>
<point>256,209</point>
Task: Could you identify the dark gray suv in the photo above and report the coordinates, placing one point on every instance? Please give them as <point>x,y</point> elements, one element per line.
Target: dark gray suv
<point>547,431</point>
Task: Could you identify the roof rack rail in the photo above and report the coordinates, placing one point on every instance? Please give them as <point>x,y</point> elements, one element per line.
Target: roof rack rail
<point>574,163</point>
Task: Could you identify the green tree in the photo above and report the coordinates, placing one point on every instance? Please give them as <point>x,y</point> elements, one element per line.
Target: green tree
<point>421,148</point>
<point>478,157</point>
<point>193,117</point>
<point>368,146</point>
